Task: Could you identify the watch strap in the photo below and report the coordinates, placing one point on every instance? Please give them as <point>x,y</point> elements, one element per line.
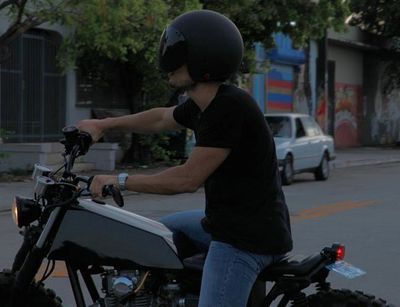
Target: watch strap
<point>122,177</point>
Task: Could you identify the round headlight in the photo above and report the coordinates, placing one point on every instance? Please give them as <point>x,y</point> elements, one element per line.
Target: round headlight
<point>25,211</point>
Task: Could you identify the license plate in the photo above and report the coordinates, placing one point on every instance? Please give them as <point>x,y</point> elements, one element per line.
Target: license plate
<point>346,269</point>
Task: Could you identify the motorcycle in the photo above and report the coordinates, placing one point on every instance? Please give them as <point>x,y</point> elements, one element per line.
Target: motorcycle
<point>135,257</point>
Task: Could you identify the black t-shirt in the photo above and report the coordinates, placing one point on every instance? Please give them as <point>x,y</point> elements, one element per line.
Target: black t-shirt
<point>245,205</point>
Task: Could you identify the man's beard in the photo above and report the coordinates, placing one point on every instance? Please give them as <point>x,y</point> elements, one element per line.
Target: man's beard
<point>184,86</point>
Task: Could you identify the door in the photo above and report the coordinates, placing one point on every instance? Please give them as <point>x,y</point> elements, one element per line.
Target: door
<point>301,150</point>
<point>314,146</point>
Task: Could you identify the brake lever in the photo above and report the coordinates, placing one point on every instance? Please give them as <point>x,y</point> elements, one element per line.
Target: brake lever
<point>115,193</point>
<point>108,190</point>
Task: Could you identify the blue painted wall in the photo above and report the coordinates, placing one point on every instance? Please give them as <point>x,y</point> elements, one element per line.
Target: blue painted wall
<point>270,86</point>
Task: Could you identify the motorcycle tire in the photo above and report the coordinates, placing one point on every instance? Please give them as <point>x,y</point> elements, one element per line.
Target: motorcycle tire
<point>344,298</point>
<point>37,295</point>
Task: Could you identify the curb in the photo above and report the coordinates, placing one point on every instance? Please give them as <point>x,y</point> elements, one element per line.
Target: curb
<point>366,162</point>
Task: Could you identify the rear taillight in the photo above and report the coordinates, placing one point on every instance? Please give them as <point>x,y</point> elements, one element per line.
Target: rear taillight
<point>339,250</point>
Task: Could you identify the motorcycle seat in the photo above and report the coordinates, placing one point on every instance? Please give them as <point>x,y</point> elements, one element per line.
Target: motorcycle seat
<point>195,262</point>
<point>290,266</point>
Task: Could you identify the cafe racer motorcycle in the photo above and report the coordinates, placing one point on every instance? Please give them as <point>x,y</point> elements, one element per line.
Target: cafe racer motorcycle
<point>134,257</point>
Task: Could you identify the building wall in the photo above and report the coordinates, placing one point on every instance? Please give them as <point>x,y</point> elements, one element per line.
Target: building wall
<point>279,88</point>
<point>381,111</point>
<point>72,113</point>
<point>275,88</point>
<point>348,94</point>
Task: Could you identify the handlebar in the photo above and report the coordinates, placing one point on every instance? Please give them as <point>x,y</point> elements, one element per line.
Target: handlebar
<point>108,190</point>
<point>77,144</point>
<point>76,140</point>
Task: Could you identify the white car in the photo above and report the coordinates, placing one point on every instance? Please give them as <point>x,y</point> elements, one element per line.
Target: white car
<point>301,145</point>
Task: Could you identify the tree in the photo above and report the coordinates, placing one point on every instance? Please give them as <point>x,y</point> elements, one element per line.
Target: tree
<point>23,15</point>
<point>120,37</point>
<point>382,18</point>
<point>301,20</point>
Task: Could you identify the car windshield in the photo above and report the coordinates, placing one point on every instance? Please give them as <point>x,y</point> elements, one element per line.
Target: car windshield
<point>280,126</point>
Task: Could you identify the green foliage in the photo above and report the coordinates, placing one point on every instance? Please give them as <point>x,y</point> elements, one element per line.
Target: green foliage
<point>382,17</point>
<point>23,15</point>
<point>109,37</point>
<point>119,30</point>
<point>377,16</point>
<point>156,145</point>
<point>300,19</point>
<point>3,135</point>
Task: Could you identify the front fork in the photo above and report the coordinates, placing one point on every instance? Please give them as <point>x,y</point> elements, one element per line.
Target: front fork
<point>31,235</point>
<point>29,258</point>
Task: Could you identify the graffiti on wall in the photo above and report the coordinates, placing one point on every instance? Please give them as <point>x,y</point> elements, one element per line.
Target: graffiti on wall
<point>279,86</point>
<point>385,122</point>
<point>301,104</point>
<point>321,108</point>
<point>347,106</point>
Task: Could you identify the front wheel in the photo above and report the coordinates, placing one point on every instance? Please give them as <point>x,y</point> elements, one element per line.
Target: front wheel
<point>287,172</point>
<point>322,171</point>
<point>344,298</point>
<point>37,295</point>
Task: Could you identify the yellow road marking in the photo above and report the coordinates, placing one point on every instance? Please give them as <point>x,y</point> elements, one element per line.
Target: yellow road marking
<point>60,270</point>
<point>331,209</point>
<point>306,214</point>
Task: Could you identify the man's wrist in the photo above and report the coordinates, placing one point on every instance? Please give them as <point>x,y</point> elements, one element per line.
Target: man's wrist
<point>121,179</point>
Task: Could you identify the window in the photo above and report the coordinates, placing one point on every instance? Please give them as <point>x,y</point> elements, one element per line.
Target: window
<point>32,89</point>
<point>300,132</point>
<point>280,126</point>
<point>311,127</point>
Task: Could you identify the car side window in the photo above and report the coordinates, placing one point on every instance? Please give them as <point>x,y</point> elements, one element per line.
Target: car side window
<point>310,126</point>
<point>300,132</point>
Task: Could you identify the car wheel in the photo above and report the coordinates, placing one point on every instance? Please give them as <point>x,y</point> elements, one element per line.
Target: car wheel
<point>322,171</point>
<point>287,172</point>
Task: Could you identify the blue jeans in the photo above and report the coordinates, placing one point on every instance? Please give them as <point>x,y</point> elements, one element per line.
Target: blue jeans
<point>229,273</point>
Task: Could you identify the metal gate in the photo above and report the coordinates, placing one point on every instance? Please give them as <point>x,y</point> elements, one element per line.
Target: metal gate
<point>32,89</point>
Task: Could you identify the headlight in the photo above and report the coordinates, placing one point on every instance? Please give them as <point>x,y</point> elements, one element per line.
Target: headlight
<point>25,211</point>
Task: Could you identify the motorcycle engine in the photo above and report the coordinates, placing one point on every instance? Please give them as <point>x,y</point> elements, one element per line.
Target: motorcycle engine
<point>135,284</point>
<point>120,284</point>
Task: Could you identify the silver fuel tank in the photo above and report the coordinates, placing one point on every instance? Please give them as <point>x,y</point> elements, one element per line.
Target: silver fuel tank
<point>96,234</point>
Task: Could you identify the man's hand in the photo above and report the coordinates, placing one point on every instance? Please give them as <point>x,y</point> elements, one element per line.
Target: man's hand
<point>94,127</point>
<point>99,181</point>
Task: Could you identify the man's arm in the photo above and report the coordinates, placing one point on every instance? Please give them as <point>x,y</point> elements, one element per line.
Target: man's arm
<point>151,121</point>
<point>185,178</point>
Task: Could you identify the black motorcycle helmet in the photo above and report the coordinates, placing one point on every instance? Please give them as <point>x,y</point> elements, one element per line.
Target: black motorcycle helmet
<point>208,42</point>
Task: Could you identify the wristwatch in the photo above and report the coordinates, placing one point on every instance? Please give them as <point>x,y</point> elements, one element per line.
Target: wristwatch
<point>122,180</point>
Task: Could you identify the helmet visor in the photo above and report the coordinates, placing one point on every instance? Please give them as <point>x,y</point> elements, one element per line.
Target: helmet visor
<point>172,50</point>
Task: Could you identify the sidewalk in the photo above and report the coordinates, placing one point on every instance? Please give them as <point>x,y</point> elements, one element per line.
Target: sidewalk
<point>359,156</point>
<point>347,157</point>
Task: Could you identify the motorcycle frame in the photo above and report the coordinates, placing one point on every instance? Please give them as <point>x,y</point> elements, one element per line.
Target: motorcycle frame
<point>288,286</point>
<point>32,253</point>
<point>35,254</point>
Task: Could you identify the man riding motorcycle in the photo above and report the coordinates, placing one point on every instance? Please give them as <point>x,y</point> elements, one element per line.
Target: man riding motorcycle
<point>245,226</point>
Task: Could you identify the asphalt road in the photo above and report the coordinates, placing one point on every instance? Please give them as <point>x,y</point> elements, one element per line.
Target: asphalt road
<point>357,206</point>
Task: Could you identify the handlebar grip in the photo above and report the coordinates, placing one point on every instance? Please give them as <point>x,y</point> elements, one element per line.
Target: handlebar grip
<point>110,190</point>
<point>106,191</point>
<point>76,138</point>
